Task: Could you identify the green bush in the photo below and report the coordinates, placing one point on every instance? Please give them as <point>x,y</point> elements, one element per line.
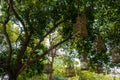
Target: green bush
<point>86,75</point>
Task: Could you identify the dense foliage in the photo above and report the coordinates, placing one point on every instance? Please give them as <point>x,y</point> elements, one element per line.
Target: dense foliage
<point>26,24</point>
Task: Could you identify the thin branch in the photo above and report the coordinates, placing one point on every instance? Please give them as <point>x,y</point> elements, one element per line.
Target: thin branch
<point>41,56</point>
<point>47,52</point>
<point>52,29</point>
<point>56,25</point>
<point>6,35</point>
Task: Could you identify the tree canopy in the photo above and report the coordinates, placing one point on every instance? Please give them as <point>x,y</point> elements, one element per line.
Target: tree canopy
<point>26,24</point>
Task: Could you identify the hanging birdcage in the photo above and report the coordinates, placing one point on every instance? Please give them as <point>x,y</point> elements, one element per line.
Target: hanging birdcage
<point>79,28</point>
<point>99,68</point>
<point>70,71</point>
<point>99,44</point>
<point>48,68</point>
<point>116,55</point>
<point>84,64</point>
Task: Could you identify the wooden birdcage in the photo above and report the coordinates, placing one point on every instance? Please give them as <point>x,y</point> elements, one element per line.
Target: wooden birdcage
<point>79,28</point>
<point>99,44</point>
<point>70,71</point>
<point>99,68</point>
<point>48,68</point>
<point>116,55</point>
<point>84,64</point>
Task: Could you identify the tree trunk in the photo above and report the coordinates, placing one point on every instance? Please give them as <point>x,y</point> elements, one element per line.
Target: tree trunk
<point>50,76</point>
<point>12,77</point>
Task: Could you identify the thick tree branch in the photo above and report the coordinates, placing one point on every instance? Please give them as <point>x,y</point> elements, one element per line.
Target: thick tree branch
<point>46,52</point>
<point>18,17</point>
<point>55,26</point>
<point>6,34</point>
<point>23,48</point>
<point>31,53</point>
<point>41,56</point>
<point>27,36</point>
<point>52,29</point>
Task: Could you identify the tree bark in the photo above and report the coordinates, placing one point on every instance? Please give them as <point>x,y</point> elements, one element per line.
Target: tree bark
<point>12,74</point>
<point>12,77</point>
<point>50,76</point>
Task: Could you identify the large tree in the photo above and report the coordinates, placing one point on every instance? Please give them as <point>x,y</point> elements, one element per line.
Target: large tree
<point>36,19</point>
